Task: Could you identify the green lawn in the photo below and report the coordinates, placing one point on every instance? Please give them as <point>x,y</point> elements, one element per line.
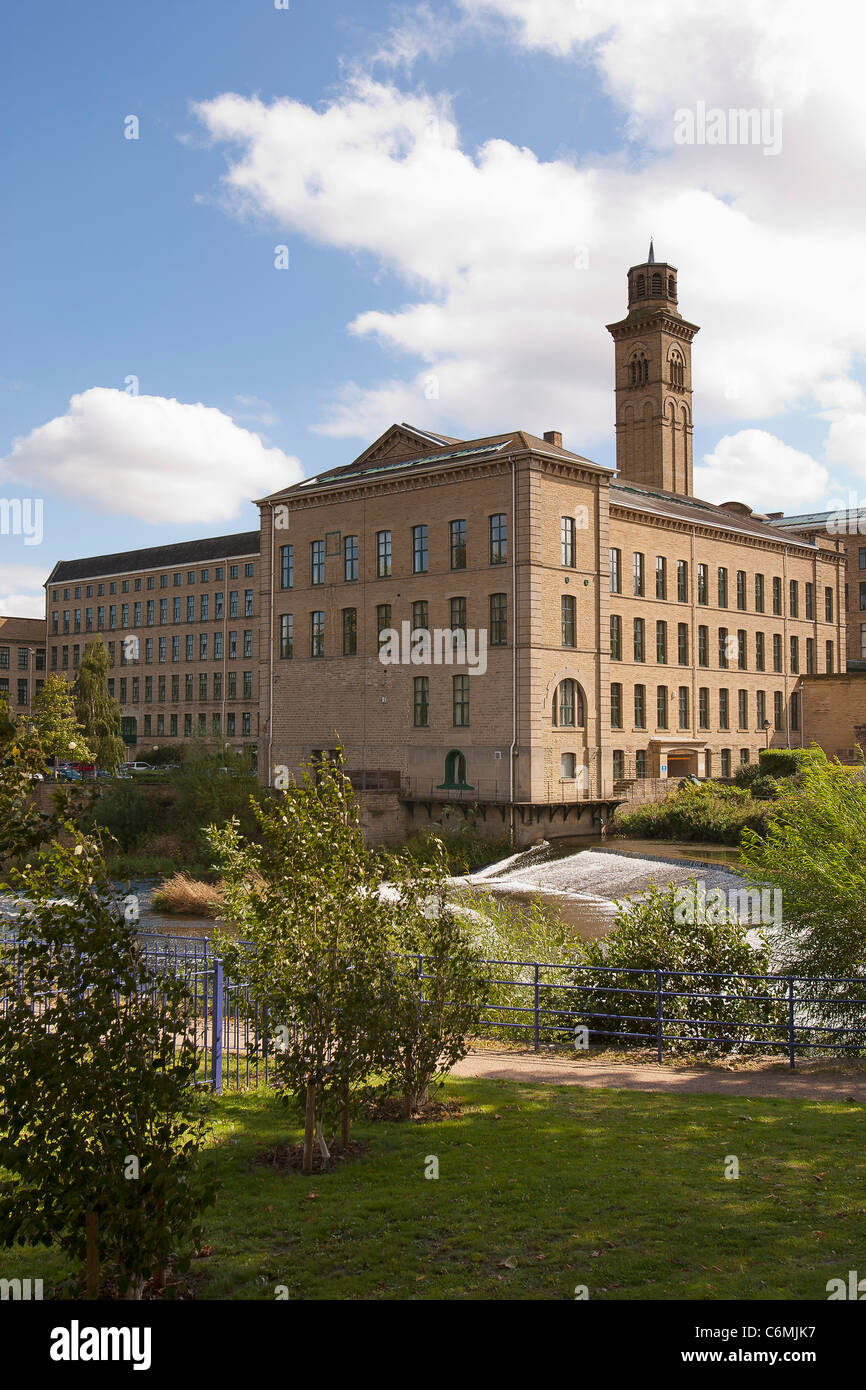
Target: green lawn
<point>621,1191</point>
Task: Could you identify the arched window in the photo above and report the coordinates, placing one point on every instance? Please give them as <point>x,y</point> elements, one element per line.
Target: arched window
<point>657,284</point>
<point>672,287</point>
<point>569,706</point>
<point>455,773</point>
<point>677,369</point>
<point>641,287</point>
<point>638,370</point>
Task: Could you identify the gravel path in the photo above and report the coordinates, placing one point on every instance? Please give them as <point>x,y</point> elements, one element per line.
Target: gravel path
<point>769,1079</point>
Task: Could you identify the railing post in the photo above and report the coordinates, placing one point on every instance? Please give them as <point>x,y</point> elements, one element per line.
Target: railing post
<point>659,1016</point>
<point>217,1027</point>
<point>537,1000</point>
<point>792,1058</point>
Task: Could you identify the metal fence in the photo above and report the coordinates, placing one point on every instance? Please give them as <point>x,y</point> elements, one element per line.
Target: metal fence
<point>665,1010</point>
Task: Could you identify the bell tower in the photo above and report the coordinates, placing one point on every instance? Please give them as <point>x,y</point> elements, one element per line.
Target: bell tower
<point>653,351</point>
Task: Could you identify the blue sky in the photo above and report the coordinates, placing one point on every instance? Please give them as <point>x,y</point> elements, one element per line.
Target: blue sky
<point>436,175</point>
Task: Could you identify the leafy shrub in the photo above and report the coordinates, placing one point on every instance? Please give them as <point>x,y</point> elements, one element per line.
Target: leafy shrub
<point>785,762</point>
<point>465,849</point>
<point>126,811</point>
<point>708,812</point>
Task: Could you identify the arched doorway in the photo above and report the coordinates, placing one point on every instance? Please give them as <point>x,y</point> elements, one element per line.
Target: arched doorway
<point>455,773</point>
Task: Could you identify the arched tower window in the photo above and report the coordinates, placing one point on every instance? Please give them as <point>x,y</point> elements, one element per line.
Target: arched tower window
<point>678,370</point>
<point>672,287</point>
<point>638,370</point>
<point>657,284</point>
<point>641,286</point>
<point>569,706</point>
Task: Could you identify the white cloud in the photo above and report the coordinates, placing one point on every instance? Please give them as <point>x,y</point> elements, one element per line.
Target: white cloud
<point>756,467</point>
<point>484,240</point>
<point>21,592</point>
<point>846,441</point>
<point>149,457</point>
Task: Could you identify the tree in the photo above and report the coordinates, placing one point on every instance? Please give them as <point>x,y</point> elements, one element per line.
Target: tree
<point>59,730</point>
<point>99,1121</point>
<point>98,714</point>
<point>814,853</point>
<point>438,986</point>
<point>23,827</point>
<point>306,898</point>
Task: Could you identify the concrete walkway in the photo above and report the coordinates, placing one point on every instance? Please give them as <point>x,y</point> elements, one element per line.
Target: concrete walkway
<point>771,1079</point>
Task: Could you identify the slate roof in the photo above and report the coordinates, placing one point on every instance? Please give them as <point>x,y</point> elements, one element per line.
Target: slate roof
<point>158,556</point>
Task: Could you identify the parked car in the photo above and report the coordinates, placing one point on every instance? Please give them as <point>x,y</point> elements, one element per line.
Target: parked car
<point>68,774</point>
<point>139,767</point>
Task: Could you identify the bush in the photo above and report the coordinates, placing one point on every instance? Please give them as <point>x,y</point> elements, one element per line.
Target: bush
<point>708,812</point>
<point>786,762</point>
<point>649,937</point>
<point>465,849</point>
<point>181,893</point>
<point>126,811</point>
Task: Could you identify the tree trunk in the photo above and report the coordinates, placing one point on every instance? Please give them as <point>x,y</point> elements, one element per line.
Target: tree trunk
<point>91,1227</point>
<point>344,1124</point>
<point>309,1125</point>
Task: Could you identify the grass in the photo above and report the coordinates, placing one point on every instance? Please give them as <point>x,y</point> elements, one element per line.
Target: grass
<point>181,893</point>
<point>621,1191</point>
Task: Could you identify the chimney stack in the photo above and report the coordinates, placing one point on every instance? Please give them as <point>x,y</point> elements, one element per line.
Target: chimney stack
<point>553,437</point>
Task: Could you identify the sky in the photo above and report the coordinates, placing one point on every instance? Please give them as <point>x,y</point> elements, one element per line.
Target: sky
<point>240,238</point>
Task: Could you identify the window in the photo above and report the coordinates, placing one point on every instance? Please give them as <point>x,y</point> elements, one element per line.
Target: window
<point>810,656</point>
<point>616,637</point>
<point>723,587</point>
<point>777,710</point>
<point>233,645</point>
<point>202,686</point>
<point>162,648</point>
<point>420,554</point>
<point>777,597</point>
<point>287,566</point>
<point>150,612</point>
<point>248,603</point>
<point>810,600</point>
<point>383,619</point>
<point>498,539</point>
<point>567,767</point>
<point>662,706</point>
<point>350,632</point>
<point>350,559</point>
<point>704,708</point>
<point>205,608</point>
<point>176,608</point>
<point>744,757</point>
<point>637,574</point>
<point>568,706</point>
<point>618,764</point>
<point>421,702</point>
<point>248,569</point>
<point>723,648</point>
<point>828,604</point>
<point>188,684</point>
<point>317,633</point>
<point>703,646</point>
<point>793,599</point>
<point>640,764</point>
<point>743,709</point>
<point>202,646</point>
<point>725,757</point>
<point>742,650</point>
<point>703,585</point>
<point>683,644</point>
<point>760,657</point>
<point>661,643</point>
<point>148,649</point>
<point>759,593</point>
<point>616,705</point>
<point>567,614</point>
<point>616,572</point>
<point>682,581</point>
<point>741,590</point>
<point>861,553</point>
<point>567,533</point>
<point>190,647</point>
<point>795,710</point>
<point>190,607</point>
<point>795,655</point>
<point>724,710</point>
<point>175,689</point>
<point>457,544</point>
<point>233,573</point>
<point>640,706</point>
<point>661,577</point>
<point>639,654</point>
<point>830,660</point>
<point>420,620</point>
<point>862,599</point>
<point>498,620</point>
<point>232,684</point>
<point>458,614</point>
<point>683,703</point>
<point>460,701</point>
<point>761,708</point>
<point>383,554</point>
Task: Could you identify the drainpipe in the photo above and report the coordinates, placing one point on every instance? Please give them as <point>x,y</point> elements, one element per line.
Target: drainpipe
<point>511,751</point>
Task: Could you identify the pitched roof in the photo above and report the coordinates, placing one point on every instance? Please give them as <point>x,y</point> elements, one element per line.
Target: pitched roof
<point>158,556</point>
<point>698,512</point>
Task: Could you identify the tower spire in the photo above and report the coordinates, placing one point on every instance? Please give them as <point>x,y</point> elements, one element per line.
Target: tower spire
<point>651,258</point>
